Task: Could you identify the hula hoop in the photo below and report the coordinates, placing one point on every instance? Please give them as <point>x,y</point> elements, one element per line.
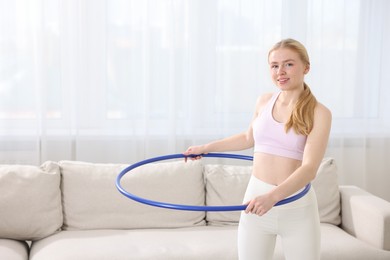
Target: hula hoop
<point>190,207</point>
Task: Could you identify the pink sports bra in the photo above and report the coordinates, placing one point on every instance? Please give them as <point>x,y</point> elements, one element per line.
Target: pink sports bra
<point>270,136</point>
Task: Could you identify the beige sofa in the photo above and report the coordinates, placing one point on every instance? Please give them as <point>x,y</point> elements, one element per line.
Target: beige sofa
<point>72,210</point>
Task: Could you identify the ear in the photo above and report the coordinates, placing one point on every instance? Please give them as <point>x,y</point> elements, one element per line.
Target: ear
<point>307,69</point>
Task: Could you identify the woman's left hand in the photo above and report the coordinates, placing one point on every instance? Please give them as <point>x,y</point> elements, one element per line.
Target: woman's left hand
<point>260,205</point>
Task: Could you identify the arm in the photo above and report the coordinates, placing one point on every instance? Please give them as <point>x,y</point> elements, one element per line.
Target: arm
<point>236,142</point>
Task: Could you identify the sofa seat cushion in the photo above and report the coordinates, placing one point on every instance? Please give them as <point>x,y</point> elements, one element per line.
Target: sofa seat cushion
<point>204,242</point>
<point>13,249</point>
<point>339,245</point>
<point>92,201</point>
<point>169,244</point>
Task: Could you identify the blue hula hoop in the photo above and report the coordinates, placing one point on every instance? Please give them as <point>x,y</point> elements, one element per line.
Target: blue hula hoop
<point>189,207</point>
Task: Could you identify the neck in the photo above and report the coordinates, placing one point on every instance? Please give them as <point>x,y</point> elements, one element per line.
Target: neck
<point>290,97</point>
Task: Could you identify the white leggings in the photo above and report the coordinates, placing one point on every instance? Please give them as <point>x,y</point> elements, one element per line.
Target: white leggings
<point>297,223</point>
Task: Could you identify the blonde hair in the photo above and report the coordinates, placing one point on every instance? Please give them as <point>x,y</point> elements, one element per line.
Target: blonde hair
<point>302,116</point>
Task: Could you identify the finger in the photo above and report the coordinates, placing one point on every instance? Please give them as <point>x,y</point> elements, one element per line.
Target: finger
<point>263,211</point>
<point>195,157</point>
<point>249,208</point>
<point>188,151</point>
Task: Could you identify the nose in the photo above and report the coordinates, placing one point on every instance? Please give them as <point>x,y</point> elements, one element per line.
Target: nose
<point>280,70</point>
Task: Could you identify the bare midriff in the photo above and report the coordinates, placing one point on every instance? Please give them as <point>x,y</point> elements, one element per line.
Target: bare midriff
<point>273,169</point>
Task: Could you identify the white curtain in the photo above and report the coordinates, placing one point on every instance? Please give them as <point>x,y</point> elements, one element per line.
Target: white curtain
<point>124,80</point>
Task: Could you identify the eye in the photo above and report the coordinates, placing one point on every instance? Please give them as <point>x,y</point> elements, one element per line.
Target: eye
<point>289,64</point>
<point>274,66</point>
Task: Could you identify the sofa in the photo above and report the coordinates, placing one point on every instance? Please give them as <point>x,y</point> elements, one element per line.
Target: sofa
<point>73,210</point>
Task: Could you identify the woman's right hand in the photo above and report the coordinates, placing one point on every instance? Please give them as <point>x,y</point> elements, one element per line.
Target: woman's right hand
<point>195,150</point>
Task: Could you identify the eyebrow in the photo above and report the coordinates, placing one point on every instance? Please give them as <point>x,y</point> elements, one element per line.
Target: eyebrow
<point>288,60</point>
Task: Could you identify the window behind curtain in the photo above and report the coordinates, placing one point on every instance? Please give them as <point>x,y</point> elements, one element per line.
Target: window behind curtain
<point>181,67</point>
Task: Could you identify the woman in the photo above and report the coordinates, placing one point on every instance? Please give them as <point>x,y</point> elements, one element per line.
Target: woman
<point>289,133</point>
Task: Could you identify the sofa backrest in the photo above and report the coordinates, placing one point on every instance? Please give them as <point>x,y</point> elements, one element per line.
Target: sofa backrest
<point>92,201</point>
<point>30,201</point>
<point>226,185</point>
<point>36,201</point>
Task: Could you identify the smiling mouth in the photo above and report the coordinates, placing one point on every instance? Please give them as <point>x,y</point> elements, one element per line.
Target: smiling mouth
<point>284,80</point>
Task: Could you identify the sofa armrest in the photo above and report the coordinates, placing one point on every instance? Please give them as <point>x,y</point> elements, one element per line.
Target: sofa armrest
<point>365,216</point>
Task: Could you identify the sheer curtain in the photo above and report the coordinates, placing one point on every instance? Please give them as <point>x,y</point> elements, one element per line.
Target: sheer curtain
<point>123,80</point>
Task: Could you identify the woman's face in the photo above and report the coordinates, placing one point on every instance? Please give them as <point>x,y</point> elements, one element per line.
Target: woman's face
<point>287,69</point>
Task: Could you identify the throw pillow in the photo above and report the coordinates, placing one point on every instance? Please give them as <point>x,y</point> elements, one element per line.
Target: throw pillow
<point>92,201</point>
<point>30,201</point>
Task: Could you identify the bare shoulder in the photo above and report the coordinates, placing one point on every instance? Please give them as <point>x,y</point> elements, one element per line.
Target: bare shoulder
<point>261,101</point>
<point>322,119</point>
<point>322,111</point>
